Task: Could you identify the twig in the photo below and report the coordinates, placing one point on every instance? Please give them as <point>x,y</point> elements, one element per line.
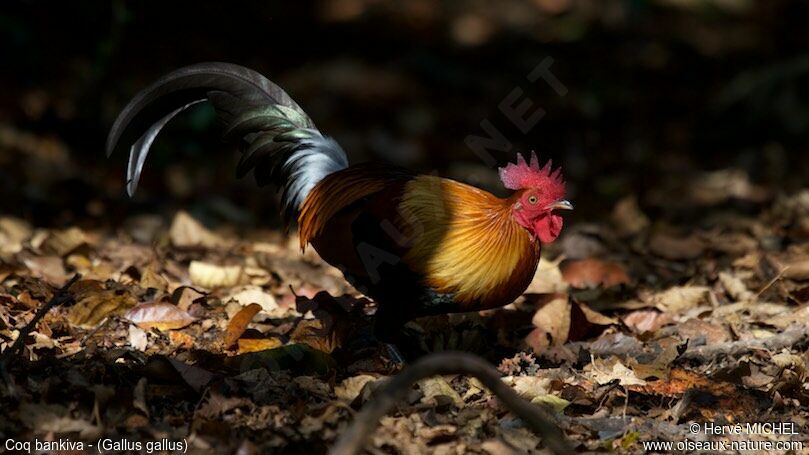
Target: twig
<point>772,281</point>
<point>61,296</point>
<point>352,441</point>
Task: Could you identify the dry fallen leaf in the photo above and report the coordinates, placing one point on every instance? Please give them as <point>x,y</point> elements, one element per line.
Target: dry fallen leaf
<point>159,315</point>
<point>676,248</point>
<point>13,233</point>
<point>559,320</point>
<point>255,345</point>
<point>215,276</point>
<point>181,339</point>
<point>438,386</point>
<point>137,338</point>
<point>797,270</point>
<point>49,268</point>
<point>184,296</point>
<point>547,279</point>
<point>592,272</point>
<point>350,388</point>
<point>94,303</point>
<point>186,232</point>
<point>608,370</point>
<point>62,242</point>
<point>735,287</point>
<point>529,387</point>
<point>246,295</point>
<point>150,278</point>
<point>552,322</point>
<point>642,321</point>
<point>678,298</point>
<point>238,324</point>
<point>628,217</point>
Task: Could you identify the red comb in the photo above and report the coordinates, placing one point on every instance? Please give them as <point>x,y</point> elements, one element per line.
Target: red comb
<point>529,175</point>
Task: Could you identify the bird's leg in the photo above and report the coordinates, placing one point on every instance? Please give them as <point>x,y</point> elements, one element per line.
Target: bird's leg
<point>388,330</point>
<point>393,354</point>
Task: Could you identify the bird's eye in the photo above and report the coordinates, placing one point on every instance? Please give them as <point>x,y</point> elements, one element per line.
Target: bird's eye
<point>532,199</point>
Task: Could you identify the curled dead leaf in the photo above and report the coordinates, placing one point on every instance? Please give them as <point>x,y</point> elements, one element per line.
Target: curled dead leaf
<point>159,315</point>
<point>255,294</point>
<point>559,320</point>
<point>215,276</point>
<point>238,324</point>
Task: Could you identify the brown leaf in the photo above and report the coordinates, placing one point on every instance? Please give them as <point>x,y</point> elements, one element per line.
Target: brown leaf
<point>678,298</point>
<point>628,218</point>
<point>49,268</point>
<point>186,232</point>
<point>94,303</point>
<point>336,319</point>
<point>643,321</point>
<point>735,287</point>
<point>184,296</point>
<point>697,328</point>
<point>150,278</point>
<point>215,276</point>
<point>255,294</point>
<point>159,315</point>
<point>797,270</point>
<point>676,248</point>
<point>238,324</point>
<point>181,339</point>
<point>13,233</point>
<point>552,322</point>
<point>592,272</point>
<point>60,243</point>
<point>255,345</point>
<point>559,320</point>
<point>350,388</point>
<point>137,338</point>
<point>606,371</point>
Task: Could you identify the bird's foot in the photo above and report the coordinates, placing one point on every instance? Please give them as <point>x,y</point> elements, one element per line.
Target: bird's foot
<point>393,354</point>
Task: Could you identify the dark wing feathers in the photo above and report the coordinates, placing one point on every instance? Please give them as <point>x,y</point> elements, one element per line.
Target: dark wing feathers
<point>280,142</point>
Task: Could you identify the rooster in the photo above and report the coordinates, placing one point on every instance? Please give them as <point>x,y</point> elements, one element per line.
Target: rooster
<point>416,244</point>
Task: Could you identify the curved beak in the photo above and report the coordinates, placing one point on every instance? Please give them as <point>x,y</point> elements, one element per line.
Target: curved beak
<point>561,204</point>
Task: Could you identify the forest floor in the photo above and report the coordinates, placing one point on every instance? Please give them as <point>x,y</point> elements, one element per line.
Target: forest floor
<point>632,331</point>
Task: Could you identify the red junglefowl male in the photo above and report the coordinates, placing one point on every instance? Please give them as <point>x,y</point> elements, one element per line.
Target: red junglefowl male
<point>416,244</point>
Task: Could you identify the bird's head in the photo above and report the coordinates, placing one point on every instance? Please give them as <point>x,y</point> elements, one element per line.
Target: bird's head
<point>539,191</point>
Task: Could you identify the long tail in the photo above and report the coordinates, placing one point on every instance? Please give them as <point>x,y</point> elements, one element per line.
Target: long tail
<point>280,143</point>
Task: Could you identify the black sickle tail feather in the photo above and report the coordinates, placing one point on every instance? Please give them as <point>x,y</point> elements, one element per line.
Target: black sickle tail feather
<point>280,142</point>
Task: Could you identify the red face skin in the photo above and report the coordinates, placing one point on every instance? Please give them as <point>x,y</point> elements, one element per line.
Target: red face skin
<point>534,212</point>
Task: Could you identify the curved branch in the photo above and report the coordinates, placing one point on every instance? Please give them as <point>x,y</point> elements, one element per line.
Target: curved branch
<point>352,441</point>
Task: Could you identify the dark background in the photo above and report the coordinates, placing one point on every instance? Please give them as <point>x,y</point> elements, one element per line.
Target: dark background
<point>659,93</point>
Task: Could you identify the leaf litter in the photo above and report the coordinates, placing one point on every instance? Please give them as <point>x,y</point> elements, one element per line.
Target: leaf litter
<point>246,345</point>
